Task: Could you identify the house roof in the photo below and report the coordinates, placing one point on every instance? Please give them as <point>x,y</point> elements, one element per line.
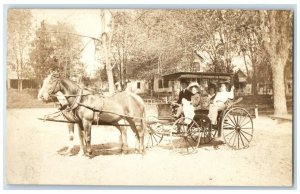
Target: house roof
<point>242,77</point>
<point>195,75</point>
<point>240,73</point>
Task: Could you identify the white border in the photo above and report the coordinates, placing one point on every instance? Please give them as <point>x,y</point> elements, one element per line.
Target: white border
<point>149,2</point>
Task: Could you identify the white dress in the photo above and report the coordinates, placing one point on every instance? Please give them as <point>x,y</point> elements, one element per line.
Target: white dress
<point>188,110</point>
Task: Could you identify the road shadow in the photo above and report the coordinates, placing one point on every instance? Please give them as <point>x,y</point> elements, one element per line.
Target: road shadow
<point>98,149</point>
<point>214,144</point>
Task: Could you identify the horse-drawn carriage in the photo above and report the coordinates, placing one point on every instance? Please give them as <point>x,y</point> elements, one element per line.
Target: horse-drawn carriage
<point>187,134</point>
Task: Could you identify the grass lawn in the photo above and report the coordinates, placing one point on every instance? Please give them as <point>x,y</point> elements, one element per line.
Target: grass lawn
<point>25,99</point>
<point>265,103</point>
<point>28,99</point>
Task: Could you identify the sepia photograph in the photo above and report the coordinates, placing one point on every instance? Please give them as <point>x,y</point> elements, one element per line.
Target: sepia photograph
<point>149,97</point>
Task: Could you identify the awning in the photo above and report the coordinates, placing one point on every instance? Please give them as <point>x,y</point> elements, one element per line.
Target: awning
<point>203,77</point>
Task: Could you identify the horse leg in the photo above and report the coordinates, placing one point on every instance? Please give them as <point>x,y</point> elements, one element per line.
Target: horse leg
<point>71,140</point>
<point>141,133</point>
<point>87,125</point>
<point>137,135</point>
<point>123,139</point>
<point>80,134</point>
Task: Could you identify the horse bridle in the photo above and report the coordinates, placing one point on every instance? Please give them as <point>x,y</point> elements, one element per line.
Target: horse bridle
<point>50,92</point>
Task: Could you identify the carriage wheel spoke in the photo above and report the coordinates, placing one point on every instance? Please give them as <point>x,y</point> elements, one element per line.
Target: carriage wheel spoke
<point>186,145</point>
<point>234,139</point>
<point>229,133</point>
<point>231,120</point>
<point>246,133</point>
<point>242,139</point>
<point>160,137</point>
<point>231,137</point>
<point>228,128</point>
<point>193,138</point>
<point>151,138</point>
<point>229,124</point>
<point>244,136</point>
<point>235,121</point>
<point>192,131</point>
<point>155,138</point>
<point>241,121</point>
<point>238,140</point>
<point>189,144</point>
<point>190,127</point>
<point>242,125</point>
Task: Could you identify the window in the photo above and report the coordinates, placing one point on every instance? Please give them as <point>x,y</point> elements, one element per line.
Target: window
<point>166,83</point>
<point>163,83</point>
<point>138,85</point>
<point>160,83</point>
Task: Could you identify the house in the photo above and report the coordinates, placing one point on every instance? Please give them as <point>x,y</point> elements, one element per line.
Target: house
<point>241,83</point>
<point>12,81</point>
<point>169,85</point>
<point>138,86</point>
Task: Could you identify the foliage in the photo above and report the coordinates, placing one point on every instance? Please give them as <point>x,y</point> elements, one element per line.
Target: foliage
<point>276,29</point>
<point>55,46</point>
<point>18,34</point>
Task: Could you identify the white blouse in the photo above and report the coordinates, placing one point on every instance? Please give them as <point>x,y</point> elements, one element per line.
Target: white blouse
<point>224,96</point>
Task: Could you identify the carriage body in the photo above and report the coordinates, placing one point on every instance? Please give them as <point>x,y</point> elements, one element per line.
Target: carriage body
<point>187,134</point>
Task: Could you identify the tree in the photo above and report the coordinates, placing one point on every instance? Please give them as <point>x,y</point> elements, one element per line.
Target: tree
<point>107,23</point>
<point>55,46</point>
<point>41,51</point>
<point>276,27</point>
<point>67,48</point>
<point>18,36</point>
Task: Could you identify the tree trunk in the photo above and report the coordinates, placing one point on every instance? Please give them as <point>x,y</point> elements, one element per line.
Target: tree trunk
<point>254,81</point>
<point>20,84</point>
<point>108,66</point>
<point>279,87</point>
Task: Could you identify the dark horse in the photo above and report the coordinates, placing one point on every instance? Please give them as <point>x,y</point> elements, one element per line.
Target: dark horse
<point>122,105</point>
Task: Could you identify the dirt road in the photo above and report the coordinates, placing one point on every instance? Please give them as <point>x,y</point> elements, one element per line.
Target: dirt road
<point>32,157</point>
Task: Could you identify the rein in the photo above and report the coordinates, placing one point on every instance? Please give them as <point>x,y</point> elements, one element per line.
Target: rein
<point>106,111</point>
<point>75,95</point>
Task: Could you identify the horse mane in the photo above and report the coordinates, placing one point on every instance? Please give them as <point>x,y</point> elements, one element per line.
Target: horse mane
<point>70,85</point>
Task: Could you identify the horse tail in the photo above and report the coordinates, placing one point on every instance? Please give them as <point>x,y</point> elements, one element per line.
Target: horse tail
<point>143,123</point>
<point>143,109</point>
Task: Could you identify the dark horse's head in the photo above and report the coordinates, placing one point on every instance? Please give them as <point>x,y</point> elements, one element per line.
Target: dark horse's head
<point>51,85</point>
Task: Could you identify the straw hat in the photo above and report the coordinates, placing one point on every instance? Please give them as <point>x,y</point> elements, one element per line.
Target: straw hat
<point>194,84</point>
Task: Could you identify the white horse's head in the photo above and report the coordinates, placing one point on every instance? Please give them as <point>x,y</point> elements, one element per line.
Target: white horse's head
<point>49,87</point>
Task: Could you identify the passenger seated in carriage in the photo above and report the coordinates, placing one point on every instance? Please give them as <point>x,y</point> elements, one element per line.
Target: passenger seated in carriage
<point>195,88</point>
<point>189,99</point>
<point>211,91</point>
<point>219,102</point>
<point>183,94</point>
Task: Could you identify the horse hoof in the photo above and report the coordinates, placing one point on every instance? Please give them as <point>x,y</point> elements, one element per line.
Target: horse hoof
<point>81,153</point>
<point>124,152</point>
<point>89,154</point>
<point>65,153</point>
<point>71,154</point>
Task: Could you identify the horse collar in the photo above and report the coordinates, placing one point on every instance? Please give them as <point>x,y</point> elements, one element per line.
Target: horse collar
<point>77,100</point>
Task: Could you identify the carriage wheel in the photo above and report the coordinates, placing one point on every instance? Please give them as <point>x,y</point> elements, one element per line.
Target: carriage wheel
<point>237,127</point>
<point>154,128</point>
<point>185,136</point>
<point>206,132</point>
